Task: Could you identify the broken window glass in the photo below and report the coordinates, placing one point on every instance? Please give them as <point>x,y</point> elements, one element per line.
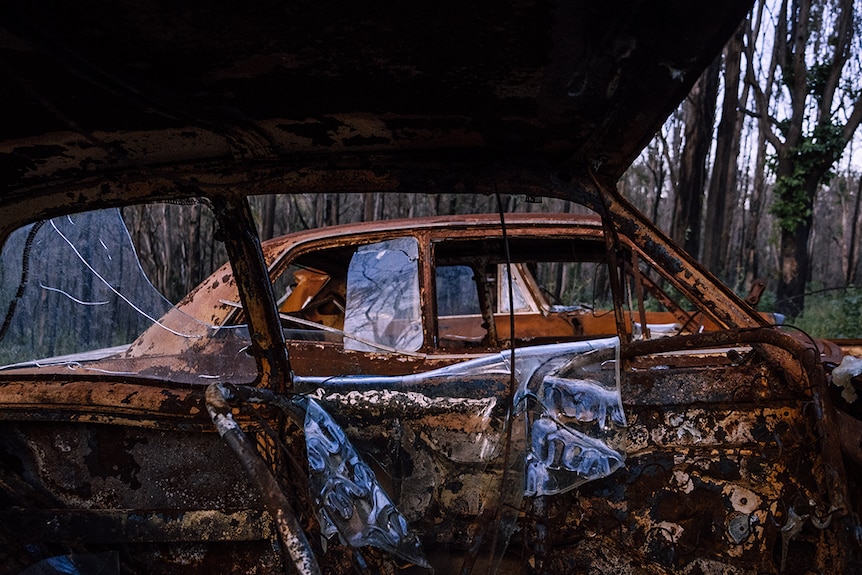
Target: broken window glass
<point>382,310</point>
<point>82,287</point>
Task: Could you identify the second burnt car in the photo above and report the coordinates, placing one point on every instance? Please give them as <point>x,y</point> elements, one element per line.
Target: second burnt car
<point>425,292</point>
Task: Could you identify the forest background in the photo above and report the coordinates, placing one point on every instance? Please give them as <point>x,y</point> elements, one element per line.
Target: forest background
<point>758,174</point>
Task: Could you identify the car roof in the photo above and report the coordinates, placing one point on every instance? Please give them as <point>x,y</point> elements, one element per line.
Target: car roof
<point>480,222</point>
<point>113,103</point>
<point>438,227</point>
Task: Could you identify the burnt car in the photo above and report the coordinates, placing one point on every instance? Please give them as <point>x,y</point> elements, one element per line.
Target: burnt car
<point>509,393</point>
<point>450,391</point>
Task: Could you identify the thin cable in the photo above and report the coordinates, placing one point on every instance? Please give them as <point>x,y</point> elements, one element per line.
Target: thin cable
<point>507,453</point>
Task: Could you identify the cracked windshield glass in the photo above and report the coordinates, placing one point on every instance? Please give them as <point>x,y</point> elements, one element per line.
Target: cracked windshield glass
<point>75,289</point>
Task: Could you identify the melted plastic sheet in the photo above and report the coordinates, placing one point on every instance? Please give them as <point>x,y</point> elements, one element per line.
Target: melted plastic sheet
<point>842,375</point>
<point>350,500</point>
<point>566,423</point>
<point>568,437</point>
<point>575,409</point>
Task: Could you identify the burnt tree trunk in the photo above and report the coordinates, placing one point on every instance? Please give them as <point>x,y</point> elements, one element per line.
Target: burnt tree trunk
<point>722,185</point>
<point>699,120</point>
<point>850,269</point>
<point>750,253</point>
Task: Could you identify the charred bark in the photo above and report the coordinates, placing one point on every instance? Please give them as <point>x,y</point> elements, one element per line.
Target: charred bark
<point>700,116</point>
<point>722,185</point>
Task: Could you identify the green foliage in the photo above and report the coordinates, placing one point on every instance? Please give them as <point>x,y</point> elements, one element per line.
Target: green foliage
<point>833,314</point>
<point>793,203</point>
<point>816,79</point>
<point>767,300</point>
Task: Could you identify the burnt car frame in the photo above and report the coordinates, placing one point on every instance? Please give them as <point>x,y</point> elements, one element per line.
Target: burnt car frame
<point>728,456</point>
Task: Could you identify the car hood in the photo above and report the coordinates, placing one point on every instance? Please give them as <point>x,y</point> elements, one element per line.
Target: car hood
<point>110,103</point>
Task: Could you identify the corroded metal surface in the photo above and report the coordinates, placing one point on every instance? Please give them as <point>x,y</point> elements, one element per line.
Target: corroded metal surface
<point>732,455</point>
<point>103,400</point>
<point>717,485</point>
<point>106,526</point>
<point>81,486</point>
<point>237,230</point>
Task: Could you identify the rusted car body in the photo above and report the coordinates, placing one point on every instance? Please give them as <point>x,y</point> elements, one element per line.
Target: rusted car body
<point>246,432</point>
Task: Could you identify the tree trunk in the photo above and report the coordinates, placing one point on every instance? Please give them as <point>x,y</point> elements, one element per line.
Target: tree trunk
<point>699,120</point>
<point>793,275</point>
<point>370,206</point>
<point>751,253</point>
<point>722,184</point>
<point>267,217</point>
<point>850,270</point>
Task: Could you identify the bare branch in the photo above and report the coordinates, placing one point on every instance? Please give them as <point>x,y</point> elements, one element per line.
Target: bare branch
<point>852,121</point>
<point>844,29</point>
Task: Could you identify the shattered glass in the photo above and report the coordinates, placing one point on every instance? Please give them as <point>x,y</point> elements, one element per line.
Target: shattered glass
<point>383,311</point>
<point>83,287</point>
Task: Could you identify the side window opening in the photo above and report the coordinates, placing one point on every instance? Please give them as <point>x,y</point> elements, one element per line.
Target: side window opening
<point>456,291</point>
<point>459,312</point>
<point>475,271</point>
<point>561,290</point>
<point>570,286</point>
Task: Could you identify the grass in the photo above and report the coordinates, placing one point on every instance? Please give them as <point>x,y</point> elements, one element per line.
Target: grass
<point>832,314</point>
